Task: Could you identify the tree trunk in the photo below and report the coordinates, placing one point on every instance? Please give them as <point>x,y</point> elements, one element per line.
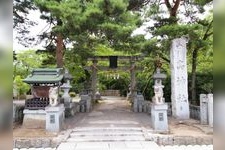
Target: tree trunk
<point>59,51</point>
<point>173,10</point>
<point>193,77</point>
<point>59,47</point>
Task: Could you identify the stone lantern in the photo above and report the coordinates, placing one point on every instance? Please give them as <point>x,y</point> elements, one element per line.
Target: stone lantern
<point>159,107</point>
<point>66,87</point>
<point>69,105</point>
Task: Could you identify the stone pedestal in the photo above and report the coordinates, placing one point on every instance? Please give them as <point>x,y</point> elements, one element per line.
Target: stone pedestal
<point>34,119</point>
<point>159,117</point>
<point>203,109</point>
<point>179,79</point>
<point>54,118</point>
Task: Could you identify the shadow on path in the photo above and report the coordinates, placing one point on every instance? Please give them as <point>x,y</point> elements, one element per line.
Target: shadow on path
<point>110,112</point>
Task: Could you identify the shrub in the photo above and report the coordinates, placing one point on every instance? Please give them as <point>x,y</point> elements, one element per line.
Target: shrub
<point>72,94</point>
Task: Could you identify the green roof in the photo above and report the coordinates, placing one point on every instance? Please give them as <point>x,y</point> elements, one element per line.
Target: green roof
<point>46,75</point>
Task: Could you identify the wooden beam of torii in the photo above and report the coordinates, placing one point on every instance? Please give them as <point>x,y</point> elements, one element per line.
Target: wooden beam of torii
<point>106,68</point>
<point>102,58</point>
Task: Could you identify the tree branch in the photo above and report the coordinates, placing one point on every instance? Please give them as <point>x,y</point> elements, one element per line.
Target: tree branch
<point>206,35</point>
<point>168,5</point>
<point>175,8</point>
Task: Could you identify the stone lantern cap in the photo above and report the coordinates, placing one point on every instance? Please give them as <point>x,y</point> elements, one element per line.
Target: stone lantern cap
<point>159,75</point>
<point>67,75</point>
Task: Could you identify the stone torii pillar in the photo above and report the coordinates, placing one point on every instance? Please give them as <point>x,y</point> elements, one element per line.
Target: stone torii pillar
<point>94,79</point>
<point>133,81</point>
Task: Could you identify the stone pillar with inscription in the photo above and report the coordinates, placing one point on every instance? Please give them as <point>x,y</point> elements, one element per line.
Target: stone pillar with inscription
<point>179,82</point>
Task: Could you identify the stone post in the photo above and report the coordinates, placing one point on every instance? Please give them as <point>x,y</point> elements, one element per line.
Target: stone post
<point>179,82</point>
<point>203,109</point>
<point>94,80</point>
<point>210,109</point>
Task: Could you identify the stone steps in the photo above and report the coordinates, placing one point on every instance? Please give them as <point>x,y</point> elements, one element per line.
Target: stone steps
<point>107,129</point>
<point>106,134</point>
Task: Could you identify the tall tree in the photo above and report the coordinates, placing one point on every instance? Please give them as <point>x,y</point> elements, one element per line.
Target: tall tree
<point>52,17</point>
<point>88,23</point>
<point>182,19</point>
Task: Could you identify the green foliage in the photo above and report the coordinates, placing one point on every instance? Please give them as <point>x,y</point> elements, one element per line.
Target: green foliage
<point>26,61</point>
<point>107,81</point>
<point>105,27</point>
<point>21,87</point>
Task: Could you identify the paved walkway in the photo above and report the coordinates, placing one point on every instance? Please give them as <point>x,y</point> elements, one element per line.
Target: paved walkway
<point>110,112</point>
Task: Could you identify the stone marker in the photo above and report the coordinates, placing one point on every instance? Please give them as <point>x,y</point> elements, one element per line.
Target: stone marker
<point>179,82</point>
<point>203,109</point>
<point>210,109</point>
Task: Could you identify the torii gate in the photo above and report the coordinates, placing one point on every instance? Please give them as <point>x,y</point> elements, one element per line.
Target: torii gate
<point>113,65</point>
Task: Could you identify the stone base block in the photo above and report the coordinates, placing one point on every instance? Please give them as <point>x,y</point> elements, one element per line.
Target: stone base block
<point>85,103</point>
<point>70,109</point>
<point>34,119</point>
<point>55,118</point>
<point>159,117</point>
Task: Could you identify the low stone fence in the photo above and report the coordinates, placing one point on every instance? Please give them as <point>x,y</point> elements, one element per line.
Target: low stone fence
<point>194,112</point>
<point>110,93</point>
<point>145,106</point>
<point>18,113</point>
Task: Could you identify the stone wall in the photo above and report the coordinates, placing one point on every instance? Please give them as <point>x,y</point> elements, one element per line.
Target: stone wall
<point>159,139</point>
<point>195,112</point>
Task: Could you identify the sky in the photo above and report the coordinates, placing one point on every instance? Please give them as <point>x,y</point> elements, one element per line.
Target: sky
<point>34,31</point>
